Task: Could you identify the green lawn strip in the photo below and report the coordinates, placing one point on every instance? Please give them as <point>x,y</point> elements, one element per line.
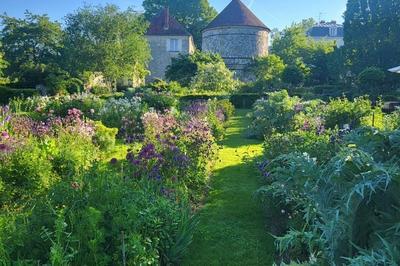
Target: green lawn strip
<point>232,225</point>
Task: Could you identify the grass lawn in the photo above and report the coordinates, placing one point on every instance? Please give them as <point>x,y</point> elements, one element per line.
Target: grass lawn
<point>232,225</point>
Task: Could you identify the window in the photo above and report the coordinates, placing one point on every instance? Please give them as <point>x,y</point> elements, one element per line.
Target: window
<point>173,45</point>
<point>333,31</point>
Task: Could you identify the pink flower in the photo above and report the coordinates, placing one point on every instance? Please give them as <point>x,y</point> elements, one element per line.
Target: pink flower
<point>5,135</point>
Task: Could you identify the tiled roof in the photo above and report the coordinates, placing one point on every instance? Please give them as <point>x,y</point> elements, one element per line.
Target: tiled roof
<point>164,24</point>
<point>236,14</point>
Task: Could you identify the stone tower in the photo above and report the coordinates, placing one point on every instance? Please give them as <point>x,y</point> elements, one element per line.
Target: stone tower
<point>238,36</point>
<point>167,39</point>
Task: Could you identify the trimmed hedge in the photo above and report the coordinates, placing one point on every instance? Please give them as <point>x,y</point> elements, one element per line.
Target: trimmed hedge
<point>240,101</point>
<point>6,94</point>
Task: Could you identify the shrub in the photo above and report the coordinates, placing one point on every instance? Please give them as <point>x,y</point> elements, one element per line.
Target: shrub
<point>25,172</point>
<point>274,114</point>
<point>160,101</point>
<point>293,75</point>
<point>268,70</point>
<point>185,67</point>
<point>316,145</point>
<point>341,111</point>
<point>6,94</point>
<point>104,136</point>
<point>123,114</point>
<point>370,78</point>
<point>214,77</point>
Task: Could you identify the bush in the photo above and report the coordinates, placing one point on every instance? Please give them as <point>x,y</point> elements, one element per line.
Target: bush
<point>342,111</point>
<point>6,94</point>
<point>185,67</point>
<point>160,101</point>
<point>104,136</point>
<point>214,77</point>
<point>274,114</point>
<point>118,113</point>
<point>293,75</point>
<point>370,79</point>
<point>25,173</point>
<point>267,70</point>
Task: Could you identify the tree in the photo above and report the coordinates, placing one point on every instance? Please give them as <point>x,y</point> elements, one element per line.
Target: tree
<point>3,65</point>
<point>371,79</point>
<point>268,69</point>
<point>293,75</point>
<point>184,67</point>
<point>32,46</point>
<point>106,40</point>
<point>372,33</point>
<point>193,14</point>
<point>297,50</point>
<point>214,77</point>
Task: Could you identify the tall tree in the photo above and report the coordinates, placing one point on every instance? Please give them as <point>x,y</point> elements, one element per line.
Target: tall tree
<point>3,65</point>
<point>193,14</point>
<point>32,46</point>
<point>372,33</point>
<point>309,56</point>
<point>106,40</point>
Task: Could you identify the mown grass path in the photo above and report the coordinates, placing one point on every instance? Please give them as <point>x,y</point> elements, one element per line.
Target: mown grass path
<point>232,225</point>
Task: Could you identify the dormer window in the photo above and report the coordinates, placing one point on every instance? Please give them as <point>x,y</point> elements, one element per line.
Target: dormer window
<point>333,31</point>
<point>173,45</point>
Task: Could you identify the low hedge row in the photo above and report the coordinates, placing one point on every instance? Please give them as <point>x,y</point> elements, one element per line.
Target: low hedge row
<point>240,100</point>
<point>6,94</point>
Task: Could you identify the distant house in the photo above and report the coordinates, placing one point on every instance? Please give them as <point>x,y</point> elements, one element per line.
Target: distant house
<point>167,39</point>
<point>327,31</point>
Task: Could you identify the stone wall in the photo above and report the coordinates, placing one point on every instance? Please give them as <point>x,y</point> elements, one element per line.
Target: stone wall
<point>161,57</point>
<point>237,45</point>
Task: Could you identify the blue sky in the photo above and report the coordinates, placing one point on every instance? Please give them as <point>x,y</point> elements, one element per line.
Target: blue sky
<point>274,13</point>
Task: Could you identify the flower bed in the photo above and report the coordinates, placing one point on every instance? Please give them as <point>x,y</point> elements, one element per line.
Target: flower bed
<point>331,181</point>
<point>79,208</point>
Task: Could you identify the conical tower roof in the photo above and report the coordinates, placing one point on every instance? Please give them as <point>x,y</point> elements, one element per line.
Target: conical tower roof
<point>164,24</point>
<point>236,14</point>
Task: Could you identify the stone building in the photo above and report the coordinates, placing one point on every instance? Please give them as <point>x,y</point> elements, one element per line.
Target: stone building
<point>238,36</point>
<point>167,39</point>
<point>327,31</point>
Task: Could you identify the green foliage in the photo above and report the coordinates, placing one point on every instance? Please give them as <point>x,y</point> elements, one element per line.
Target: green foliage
<point>293,75</point>
<point>184,67</point>
<point>25,173</point>
<point>332,194</point>
<point>104,136</point>
<point>316,145</point>
<point>370,34</point>
<point>342,111</point>
<point>310,57</point>
<point>160,101</point>
<point>116,112</point>
<point>274,114</point>
<point>268,70</point>
<point>106,40</point>
<point>32,45</point>
<point>195,15</point>
<point>214,77</point>
<point>371,79</point>
<point>72,155</point>
<point>6,94</point>
<point>3,65</point>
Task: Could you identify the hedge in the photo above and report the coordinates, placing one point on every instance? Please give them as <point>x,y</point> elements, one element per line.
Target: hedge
<point>6,94</point>
<point>240,101</point>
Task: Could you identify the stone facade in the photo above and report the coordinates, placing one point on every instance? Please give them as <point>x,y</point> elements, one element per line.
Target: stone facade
<point>162,53</point>
<point>237,45</point>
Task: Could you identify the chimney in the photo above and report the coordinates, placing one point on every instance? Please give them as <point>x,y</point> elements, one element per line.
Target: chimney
<point>166,17</point>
